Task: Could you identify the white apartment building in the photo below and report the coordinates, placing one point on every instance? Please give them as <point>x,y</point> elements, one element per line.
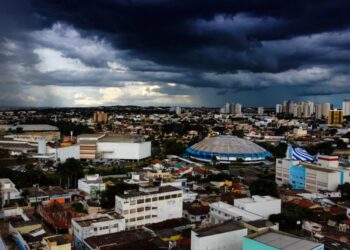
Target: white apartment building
<point>91,185</point>
<point>8,191</point>
<point>221,212</point>
<point>151,204</point>
<point>224,236</point>
<point>346,107</point>
<point>260,205</point>
<point>94,225</point>
<point>326,174</point>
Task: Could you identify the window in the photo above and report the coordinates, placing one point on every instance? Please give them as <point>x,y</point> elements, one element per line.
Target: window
<point>126,211</point>
<point>132,219</point>
<point>140,209</point>
<point>179,195</point>
<point>140,201</point>
<point>161,198</point>
<point>148,200</point>
<point>140,218</point>
<point>132,211</point>
<point>154,198</point>
<point>148,208</point>
<point>147,216</point>
<point>173,195</point>
<point>132,202</point>
<point>167,197</point>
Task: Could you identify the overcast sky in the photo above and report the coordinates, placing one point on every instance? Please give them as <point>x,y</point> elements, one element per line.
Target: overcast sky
<point>173,52</point>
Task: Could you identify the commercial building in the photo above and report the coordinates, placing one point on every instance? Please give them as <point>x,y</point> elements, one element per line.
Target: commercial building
<point>49,132</point>
<point>335,117</point>
<point>48,195</point>
<point>274,240</point>
<point>227,149</point>
<point>95,225</point>
<point>113,146</point>
<point>261,205</point>
<point>92,185</point>
<point>228,235</point>
<point>149,204</point>
<point>325,174</point>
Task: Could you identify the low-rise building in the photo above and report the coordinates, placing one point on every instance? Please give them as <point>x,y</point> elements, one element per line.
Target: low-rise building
<point>56,242</point>
<point>94,225</point>
<point>132,239</point>
<point>271,239</point>
<point>261,205</point>
<point>150,204</point>
<point>228,235</point>
<point>48,195</point>
<point>9,192</point>
<point>221,212</point>
<point>92,185</point>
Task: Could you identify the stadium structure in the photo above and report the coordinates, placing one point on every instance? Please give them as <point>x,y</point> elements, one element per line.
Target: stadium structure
<point>227,149</point>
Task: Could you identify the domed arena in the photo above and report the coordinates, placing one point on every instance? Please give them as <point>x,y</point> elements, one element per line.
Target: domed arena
<point>227,149</point>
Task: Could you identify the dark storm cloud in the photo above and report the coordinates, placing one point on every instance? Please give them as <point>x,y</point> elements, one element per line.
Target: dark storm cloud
<point>203,34</point>
<point>228,47</point>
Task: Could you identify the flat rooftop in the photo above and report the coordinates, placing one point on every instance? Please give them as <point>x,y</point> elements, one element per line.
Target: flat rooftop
<point>284,241</point>
<point>114,240</point>
<point>219,229</point>
<point>127,138</point>
<point>30,127</point>
<point>235,211</point>
<point>164,189</point>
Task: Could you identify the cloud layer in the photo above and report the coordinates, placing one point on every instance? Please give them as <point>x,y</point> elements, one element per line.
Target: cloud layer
<point>162,52</point>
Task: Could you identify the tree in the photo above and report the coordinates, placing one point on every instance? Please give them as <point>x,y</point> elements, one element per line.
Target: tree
<point>172,147</point>
<point>263,187</point>
<point>108,196</point>
<point>71,170</point>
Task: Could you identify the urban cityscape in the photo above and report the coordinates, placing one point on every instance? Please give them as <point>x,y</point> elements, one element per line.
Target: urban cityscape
<point>177,125</point>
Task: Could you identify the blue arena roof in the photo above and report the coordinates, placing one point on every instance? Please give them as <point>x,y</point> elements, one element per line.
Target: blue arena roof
<point>226,146</point>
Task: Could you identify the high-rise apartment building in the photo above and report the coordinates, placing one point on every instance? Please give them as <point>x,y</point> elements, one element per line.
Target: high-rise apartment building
<point>279,108</point>
<point>260,110</point>
<point>346,107</point>
<point>100,117</point>
<point>335,117</point>
<point>326,107</point>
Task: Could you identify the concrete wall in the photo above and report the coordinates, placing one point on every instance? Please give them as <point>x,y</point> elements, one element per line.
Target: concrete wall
<point>126,151</point>
<point>227,240</point>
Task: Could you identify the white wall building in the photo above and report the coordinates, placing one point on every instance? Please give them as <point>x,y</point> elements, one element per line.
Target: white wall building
<point>9,191</point>
<point>260,110</point>
<point>326,174</point>
<point>91,185</point>
<point>63,153</point>
<point>346,107</point>
<point>260,205</point>
<point>113,146</point>
<point>94,225</point>
<point>149,205</point>
<point>225,236</point>
<point>221,212</point>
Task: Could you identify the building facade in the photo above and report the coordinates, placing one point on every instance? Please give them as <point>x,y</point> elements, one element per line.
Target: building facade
<point>149,205</point>
<point>326,174</point>
<point>94,225</point>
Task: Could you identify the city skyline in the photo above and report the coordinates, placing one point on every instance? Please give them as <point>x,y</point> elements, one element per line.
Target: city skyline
<point>162,53</point>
